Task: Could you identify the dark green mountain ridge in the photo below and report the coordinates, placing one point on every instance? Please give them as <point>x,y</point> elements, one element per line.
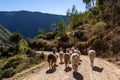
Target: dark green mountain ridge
<point>27,22</point>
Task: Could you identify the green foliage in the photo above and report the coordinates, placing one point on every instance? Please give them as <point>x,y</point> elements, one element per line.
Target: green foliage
<point>30,53</point>
<point>0,76</point>
<point>0,53</point>
<point>38,44</point>
<point>50,45</point>
<point>80,36</point>
<point>64,38</point>
<point>4,52</point>
<point>82,46</point>
<point>77,18</point>
<point>53,27</point>
<point>108,36</point>
<point>116,45</point>
<point>61,28</point>
<point>23,46</point>
<point>109,54</point>
<point>18,63</point>
<point>41,56</point>
<point>16,37</point>
<point>64,41</point>
<point>41,33</point>
<point>50,36</point>
<point>21,66</point>
<point>88,3</point>
<point>74,17</point>
<point>8,51</point>
<point>11,62</point>
<point>8,73</point>
<point>104,10</point>
<point>86,17</point>
<point>99,27</point>
<point>99,45</point>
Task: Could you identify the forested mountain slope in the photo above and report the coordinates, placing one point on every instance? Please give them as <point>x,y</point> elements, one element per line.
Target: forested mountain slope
<point>28,23</point>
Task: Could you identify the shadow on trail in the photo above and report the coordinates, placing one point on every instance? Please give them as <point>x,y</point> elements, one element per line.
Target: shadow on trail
<point>61,63</point>
<point>50,71</point>
<point>67,69</point>
<point>80,60</point>
<point>97,69</point>
<point>77,76</point>
<point>55,66</point>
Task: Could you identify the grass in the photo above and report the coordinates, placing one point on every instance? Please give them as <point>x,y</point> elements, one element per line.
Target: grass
<point>20,65</point>
<point>28,71</point>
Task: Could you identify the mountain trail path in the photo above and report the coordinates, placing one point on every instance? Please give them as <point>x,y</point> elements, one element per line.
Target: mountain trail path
<point>102,70</point>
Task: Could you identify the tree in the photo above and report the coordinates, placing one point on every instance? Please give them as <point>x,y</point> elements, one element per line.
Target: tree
<point>73,16</point>
<point>74,10</point>
<point>93,2</point>
<point>23,46</point>
<point>16,37</point>
<point>68,13</point>
<point>53,27</point>
<point>61,27</point>
<point>88,3</point>
<point>41,31</point>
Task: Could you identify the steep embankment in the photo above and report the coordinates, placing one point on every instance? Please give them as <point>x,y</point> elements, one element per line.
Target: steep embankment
<point>4,36</point>
<point>103,70</point>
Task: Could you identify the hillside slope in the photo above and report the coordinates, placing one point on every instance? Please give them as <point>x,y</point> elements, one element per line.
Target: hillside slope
<point>28,23</point>
<point>4,36</point>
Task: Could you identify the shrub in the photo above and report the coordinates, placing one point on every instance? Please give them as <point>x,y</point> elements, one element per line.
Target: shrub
<point>16,37</point>
<point>37,44</point>
<point>99,45</point>
<point>5,52</point>
<point>11,49</point>
<point>31,53</point>
<point>11,62</point>
<point>41,36</point>
<point>0,76</point>
<point>37,58</point>
<point>49,46</point>
<point>41,56</point>
<point>64,38</point>
<point>40,44</point>
<point>8,73</point>
<point>82,47</point>
<point>109,36</point>
<point>66,41</point>
<point>99,27</point>
<point>80,35</point>
<point>64,44</point>
<point>50,36</point>
<point>109,54</point>
<point>23,46</point>
<point>1,48</point>
<point>116,46</point>
<point>21,66</point>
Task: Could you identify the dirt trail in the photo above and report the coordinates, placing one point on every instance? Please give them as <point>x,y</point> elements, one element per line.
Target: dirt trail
<point>103,70</point>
